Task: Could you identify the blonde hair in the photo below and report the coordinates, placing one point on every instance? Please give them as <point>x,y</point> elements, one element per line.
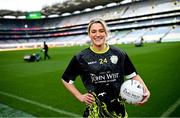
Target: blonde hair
<point>102,22</point>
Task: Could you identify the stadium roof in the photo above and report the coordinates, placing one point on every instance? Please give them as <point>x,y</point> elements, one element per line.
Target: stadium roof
<point>69,6</point>
<point>75,5</point>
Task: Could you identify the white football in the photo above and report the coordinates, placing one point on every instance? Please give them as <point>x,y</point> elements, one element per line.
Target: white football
<point>131,91</point>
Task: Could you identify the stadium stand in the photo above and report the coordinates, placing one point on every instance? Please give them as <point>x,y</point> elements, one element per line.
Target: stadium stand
<point>155,21</point>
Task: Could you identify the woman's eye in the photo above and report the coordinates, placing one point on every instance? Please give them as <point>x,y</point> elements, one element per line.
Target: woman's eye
<point>93,31</point>
<point>101,31</point>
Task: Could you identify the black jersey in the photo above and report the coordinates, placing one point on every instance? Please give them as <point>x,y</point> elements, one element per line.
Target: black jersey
<point>100,72</point>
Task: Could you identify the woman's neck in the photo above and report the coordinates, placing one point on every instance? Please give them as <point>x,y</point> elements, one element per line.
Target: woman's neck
<point>100,49</point>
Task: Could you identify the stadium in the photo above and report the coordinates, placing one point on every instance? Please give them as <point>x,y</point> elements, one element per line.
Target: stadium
<point>35,90</point>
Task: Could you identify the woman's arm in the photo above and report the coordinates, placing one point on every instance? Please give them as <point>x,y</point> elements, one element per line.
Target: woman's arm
<point>85,98</point>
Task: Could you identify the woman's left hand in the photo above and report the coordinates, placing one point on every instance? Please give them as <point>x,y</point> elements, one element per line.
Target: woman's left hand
<point>145,98</point>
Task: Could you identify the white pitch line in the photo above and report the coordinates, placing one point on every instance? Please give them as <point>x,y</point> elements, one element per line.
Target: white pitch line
<point>40,104</point>
<point>171,109</point>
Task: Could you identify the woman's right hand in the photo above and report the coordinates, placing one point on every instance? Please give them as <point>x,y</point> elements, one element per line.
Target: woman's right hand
<point>87,98</point>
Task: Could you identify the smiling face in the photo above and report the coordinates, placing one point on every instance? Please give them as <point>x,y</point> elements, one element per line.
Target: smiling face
<point>98,34</point>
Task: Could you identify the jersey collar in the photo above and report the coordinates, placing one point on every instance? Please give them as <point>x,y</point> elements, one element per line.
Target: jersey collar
<point>100,52</point>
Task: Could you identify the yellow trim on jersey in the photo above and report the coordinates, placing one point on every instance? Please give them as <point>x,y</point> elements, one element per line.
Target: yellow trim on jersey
<point>100,52</point>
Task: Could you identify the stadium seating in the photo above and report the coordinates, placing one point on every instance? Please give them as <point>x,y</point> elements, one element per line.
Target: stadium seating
<point>152,20</point>
<point>173,35</point>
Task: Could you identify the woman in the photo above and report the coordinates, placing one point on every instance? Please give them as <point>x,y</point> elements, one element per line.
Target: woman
<point>102,69</point>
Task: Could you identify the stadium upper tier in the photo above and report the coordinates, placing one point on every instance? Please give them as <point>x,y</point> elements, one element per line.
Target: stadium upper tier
<point>127,22</point>
<point>139,8</point>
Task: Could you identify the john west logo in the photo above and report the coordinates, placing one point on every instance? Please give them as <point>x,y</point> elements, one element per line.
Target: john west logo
<point>103,78</point>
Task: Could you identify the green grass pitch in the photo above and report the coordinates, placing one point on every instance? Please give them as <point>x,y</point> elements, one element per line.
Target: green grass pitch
<point>158,65</point>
